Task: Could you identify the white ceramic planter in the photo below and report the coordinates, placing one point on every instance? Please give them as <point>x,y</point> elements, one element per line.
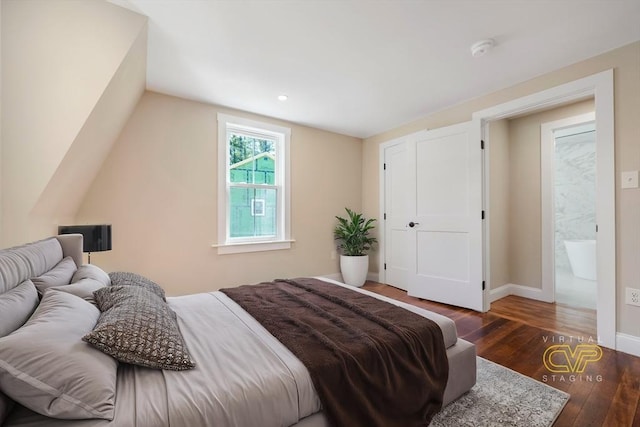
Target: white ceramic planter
<point>354,269</point>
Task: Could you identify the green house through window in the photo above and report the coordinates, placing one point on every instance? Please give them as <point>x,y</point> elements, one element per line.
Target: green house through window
<point>253,192</point>
<point>252,210</point>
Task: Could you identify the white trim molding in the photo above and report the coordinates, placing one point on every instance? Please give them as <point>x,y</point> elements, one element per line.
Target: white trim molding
<point>499,292</point>
<point>237,248</point>
<point>599,86</point>
<point>628,344</point>
<point>373,277</point>
<point>332,276</point>
<point>281,137</point>
<point>517,290</point>
<point>547,199</point>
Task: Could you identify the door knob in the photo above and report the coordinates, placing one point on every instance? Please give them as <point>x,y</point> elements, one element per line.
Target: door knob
<point>413,224</point>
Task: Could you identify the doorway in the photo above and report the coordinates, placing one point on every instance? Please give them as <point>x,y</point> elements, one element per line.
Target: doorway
<point>600,88</point>
<point>431,240</point>
<point>568,151</point>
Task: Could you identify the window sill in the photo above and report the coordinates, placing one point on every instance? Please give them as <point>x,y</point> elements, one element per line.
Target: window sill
<point>237,248</point>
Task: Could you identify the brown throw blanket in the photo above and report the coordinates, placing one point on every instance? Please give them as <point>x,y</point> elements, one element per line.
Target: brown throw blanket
<point>372,363</point>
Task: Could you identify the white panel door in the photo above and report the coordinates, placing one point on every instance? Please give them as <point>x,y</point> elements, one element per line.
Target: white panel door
<point>445,231</point>
<point>396,209</point>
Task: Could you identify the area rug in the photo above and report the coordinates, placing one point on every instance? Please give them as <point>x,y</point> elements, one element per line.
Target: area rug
<point>502,397</point>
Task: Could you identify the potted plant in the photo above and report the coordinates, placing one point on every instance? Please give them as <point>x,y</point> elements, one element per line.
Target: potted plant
<point>353,234</point>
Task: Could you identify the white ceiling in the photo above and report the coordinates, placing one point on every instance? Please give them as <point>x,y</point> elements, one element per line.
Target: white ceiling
<point>362,67</point>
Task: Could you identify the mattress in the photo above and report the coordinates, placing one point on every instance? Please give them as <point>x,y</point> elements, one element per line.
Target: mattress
<point>244,376</point>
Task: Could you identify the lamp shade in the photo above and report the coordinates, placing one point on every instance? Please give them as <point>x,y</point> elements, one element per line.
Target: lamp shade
<point>96,238</point>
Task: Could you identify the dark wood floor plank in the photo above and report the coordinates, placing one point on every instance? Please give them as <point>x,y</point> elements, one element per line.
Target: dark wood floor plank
<point>626,392</point>
<point>494,331</point>
<point>601,393</point>
<point>552,317</point>
<point>516,333</point>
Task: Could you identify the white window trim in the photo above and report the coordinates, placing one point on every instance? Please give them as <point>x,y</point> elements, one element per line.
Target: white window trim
<point>283,238</point>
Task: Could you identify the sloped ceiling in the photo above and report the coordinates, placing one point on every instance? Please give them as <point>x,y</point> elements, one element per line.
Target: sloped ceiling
<point>361,67</point>
<point>72,72</point>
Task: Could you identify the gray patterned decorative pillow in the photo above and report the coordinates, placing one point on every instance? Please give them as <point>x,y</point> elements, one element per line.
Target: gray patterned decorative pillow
<point>137,327</point>
<point>133,279</point>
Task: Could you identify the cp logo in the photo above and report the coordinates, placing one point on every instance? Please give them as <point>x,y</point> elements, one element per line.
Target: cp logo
<point>561,358</point>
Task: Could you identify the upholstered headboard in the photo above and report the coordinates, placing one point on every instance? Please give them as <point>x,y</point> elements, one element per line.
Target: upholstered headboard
<point>20,263</point>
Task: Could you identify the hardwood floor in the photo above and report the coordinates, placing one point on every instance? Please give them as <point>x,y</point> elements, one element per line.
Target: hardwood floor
<point>577,322</point>
<point>516,333</point>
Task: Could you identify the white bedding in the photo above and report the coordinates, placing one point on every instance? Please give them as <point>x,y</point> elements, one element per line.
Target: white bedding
<point>250,379</point>
<point>244,377</point>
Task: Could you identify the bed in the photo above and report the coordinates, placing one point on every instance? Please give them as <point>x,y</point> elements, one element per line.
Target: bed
<point>243,377</point>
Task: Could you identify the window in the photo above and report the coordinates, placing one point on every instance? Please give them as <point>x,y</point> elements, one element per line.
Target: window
<point>253,190</point>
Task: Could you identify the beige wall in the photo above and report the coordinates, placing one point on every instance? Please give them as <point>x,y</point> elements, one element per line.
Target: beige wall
<point>626,64</point>
<point>71,73</point>
<point>515,195</point>
<point>158,187</point>
<point>498,148</point>
<point>525,226</point>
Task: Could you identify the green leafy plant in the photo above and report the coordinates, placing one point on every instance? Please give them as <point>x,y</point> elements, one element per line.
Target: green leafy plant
<point>353,233</point>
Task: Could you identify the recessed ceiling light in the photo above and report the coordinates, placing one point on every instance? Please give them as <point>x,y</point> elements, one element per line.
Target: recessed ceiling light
<point>482,47</point>
<point>282,97</point>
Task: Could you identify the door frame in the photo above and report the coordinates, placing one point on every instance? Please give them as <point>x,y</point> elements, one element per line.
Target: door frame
<point>547,199</point>
<point>600,87</point>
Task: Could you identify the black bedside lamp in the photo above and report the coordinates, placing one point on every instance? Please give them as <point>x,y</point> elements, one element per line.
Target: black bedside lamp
<point>96,238</point>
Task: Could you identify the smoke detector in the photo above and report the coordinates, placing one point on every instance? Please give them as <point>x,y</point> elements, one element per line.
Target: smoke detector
<point>482,47</point>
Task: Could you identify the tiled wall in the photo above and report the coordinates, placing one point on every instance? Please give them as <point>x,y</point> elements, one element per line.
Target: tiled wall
<point>575,191</point>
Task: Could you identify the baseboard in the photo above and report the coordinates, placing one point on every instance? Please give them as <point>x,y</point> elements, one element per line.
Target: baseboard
<point>527,292</point>
<point>338,277</point>
<point>500,292</point>
<point>517,290</point>
<point>333,276</point>
<point>628,344</point>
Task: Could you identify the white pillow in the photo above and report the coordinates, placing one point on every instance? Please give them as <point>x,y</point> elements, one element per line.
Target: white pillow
<point>16,305</point>
<point>46,367</point>
<point>59,275</point>
<point>91,271</point>
<point>83,288</point>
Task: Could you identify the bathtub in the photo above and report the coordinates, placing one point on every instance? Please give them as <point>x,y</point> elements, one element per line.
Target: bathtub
<point>582,256</point>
